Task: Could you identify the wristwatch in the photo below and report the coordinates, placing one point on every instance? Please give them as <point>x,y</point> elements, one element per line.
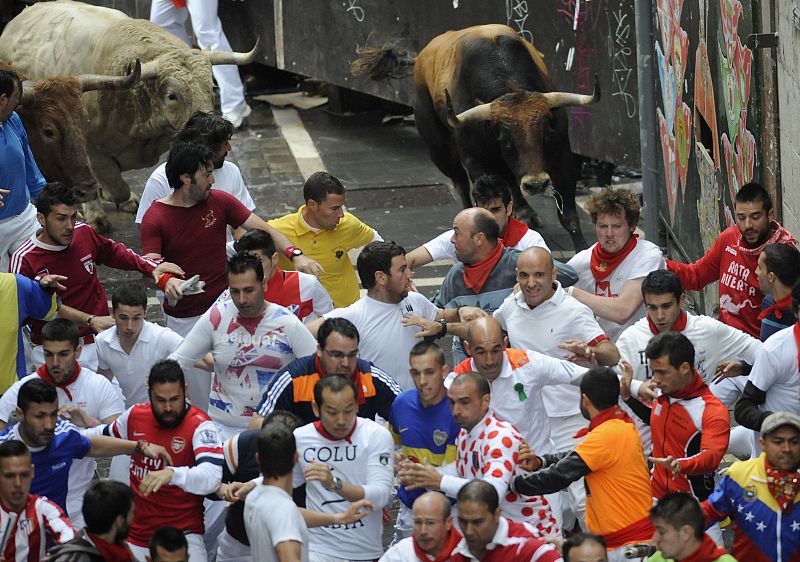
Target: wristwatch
<point>336,484</point>
<point>443,324</point>
<point>292,252</point>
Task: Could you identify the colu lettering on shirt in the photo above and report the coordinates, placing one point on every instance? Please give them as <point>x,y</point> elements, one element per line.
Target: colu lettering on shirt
<point>336,453</point>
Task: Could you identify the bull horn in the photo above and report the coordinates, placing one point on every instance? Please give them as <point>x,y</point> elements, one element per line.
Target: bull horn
<point>90,82</point>
<point>28,96</point>
<point>476,114</point>
<point>564,99</point>
<point>228,57</point>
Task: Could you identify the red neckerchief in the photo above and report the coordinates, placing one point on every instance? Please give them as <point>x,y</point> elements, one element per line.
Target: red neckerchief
<point>111,551</point>
<point>692,388</point>
<point>360,398</point>
<point>612,413</point>
<point>179,4</point>
<point>779,307</point>
<point>475,275</point>
<point>783,485</point>
<point>513,232</point>
<point>447,548</point>
<point>44,374</point>
<point>779,236</point>
<point>324,432</point>
<point>603,264</point>
<point>678,326</point>
<point>708,551</point>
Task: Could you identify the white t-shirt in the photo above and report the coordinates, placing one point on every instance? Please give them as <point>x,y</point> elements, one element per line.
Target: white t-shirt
<point>402,551</point>
<point>542,329</point>
<point>228,178</point>
<point>271,517</point>
<point>384,340</point>
<point>96,396</point>
<point>775,372</point>
<point>131,370</point>
<point>526,410</point>
<point>644,258</point>
<point>441,247</point>
<point>365,459</point>
<point>248,354</point>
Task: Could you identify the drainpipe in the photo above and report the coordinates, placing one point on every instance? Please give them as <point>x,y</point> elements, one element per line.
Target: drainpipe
<point>648,127</point>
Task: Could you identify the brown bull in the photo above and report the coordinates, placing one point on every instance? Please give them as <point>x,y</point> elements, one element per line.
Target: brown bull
<point>56,122</point>
<point>486,105</point>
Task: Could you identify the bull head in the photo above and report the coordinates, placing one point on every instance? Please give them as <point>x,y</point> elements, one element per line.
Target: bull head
<point>483,112</point>
<point>90,82</point>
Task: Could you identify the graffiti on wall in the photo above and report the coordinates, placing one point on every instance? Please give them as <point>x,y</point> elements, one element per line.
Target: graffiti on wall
<point>736,62</point>
<point>675,121</point>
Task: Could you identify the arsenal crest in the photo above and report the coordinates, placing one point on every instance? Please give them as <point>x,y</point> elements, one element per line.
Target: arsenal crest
<point>177,444</point>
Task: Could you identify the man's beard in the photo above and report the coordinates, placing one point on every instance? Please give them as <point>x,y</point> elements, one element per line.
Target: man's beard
<point>170,423</point>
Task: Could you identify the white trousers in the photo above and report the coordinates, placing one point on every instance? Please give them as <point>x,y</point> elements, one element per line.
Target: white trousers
<point>198,380</point>
<point>573,499</point>
<point>14,231</point>
<point>208,31</point>
<point>231,550</point>
<point>197,551</point>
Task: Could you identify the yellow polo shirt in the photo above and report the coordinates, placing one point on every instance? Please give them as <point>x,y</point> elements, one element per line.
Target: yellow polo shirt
<point>329,248</point>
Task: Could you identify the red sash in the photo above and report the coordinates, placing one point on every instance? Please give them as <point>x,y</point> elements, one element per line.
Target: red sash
<point>513,232</point>
<point>475,275</point>
<point>640,531</point>
<point>603,264</point>
<point>447,549</point>
<point>778,306</point>
<point>678,326</point>
<point>44,374</point>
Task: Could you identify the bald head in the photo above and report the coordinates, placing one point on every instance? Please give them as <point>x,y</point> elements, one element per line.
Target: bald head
<point>485,328</point>
<point>475,234</point>
<point>432,505</point>
<point>432,522</point>
<point>536,275</point>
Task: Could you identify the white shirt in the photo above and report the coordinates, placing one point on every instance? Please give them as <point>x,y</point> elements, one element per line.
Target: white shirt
<point>643,259</point>
<point>775,372</point>
<point>228,178</point>
<point>403,551</point>
<point>366,459</point>
<point>442,248</point>
<point>248,354</point>
<point>556,320</point>
<point>384,340</point>
<point>527,410</point>
<point>96,396</point>
<point>271,517</point>
<point>131,369</point>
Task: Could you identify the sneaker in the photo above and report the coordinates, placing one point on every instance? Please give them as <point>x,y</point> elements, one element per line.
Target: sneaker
<point>238,114</point>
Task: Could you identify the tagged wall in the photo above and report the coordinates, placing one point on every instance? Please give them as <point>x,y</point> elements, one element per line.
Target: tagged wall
<point>707,118</point>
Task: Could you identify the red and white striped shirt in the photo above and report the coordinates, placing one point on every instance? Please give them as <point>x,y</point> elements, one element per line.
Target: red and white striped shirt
<point>25,533</point>
<point>78,262</point>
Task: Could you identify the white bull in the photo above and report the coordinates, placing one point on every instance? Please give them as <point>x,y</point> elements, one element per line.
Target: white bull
<point>128,129</point>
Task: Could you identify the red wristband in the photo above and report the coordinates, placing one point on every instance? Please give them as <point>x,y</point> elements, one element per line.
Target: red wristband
<point>163,279</point>
<point>292,252</point>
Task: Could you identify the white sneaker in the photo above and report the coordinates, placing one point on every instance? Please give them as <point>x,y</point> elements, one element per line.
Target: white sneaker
<point>238,114</point>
